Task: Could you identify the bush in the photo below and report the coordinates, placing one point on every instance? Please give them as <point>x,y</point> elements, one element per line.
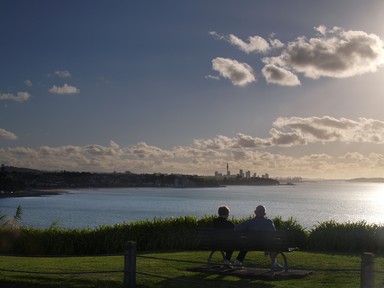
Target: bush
<point>179,234</point>
<point>347,237</point>
<point>157,234</point>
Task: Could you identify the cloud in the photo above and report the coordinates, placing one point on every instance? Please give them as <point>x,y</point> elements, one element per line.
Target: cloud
<point>212,77</point>
<point>328,129</point>
<point>7,135</point>
<point>66,89</point>
<point>294,131</point>
<point>239,74</point>
<point>28,83</point>
<point>276,43</point>
<point>20,97</point>
<point>144,158</point>
<point>247,152</point>
<point>277,75</point>
<point>333,53</point>
<point>255,44</point>
<point>62,74</point>
<point>142,150</point>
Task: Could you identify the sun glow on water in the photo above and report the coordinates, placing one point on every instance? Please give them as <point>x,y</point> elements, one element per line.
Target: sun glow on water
<point>371,200</point>
<point>377,198</point>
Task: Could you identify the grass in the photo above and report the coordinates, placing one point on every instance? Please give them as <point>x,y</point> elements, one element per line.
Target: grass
<point>329,270</point>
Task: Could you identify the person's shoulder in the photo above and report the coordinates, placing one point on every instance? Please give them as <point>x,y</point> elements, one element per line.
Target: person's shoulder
<point>230,223</point>
<point>266,221</point>
<point>216,220</point>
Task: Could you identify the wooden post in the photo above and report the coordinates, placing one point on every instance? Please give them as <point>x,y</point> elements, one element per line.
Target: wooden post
<point>367,271</point>
<point>130,265</point>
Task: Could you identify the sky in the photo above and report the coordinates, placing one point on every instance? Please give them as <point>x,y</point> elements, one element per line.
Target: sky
<point>288,88</point>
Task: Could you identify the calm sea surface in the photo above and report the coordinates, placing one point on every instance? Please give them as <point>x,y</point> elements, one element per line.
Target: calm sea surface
<point>308,202</point>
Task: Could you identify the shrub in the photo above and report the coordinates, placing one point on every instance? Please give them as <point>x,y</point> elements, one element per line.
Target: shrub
<point>347,237</point>
<point>157,234</point>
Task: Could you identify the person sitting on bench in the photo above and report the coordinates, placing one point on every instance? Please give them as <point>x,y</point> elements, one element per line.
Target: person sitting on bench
<point>258,223</point>
<point>223,223</point>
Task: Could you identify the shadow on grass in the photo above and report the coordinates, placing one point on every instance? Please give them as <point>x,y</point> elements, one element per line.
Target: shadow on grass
<point>210,280</point>
<point>32,281</point>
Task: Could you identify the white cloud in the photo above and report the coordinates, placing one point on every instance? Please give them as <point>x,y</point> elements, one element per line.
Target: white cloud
<point>276,75</point>
<point>216,35</point>
<point>7,135</point>
<point>256,44</point>
<point>20,97</point>
<point>321,29</point>
<point>328,129</point>
<point>239,74</point>
<point>334,53</point>
<point>276,43</point>
<point>212,77</point>
<point>295,131</point>
<point>28,83</point>
<point>62,74</point>
<point>142,150</point>
<point>204,156</point>
<point>66,89</point>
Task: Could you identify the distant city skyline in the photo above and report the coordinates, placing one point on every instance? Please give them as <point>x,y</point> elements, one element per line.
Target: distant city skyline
<point>241,173</point>
<point>284,87</point>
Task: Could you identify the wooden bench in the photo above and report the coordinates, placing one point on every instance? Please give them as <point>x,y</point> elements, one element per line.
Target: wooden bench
<point>268,241</point>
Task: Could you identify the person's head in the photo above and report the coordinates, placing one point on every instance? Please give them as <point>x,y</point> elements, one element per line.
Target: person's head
<point>260,211</point>
<point>223,211</point>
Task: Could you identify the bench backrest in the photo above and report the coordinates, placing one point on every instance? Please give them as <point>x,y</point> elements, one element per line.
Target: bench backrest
<point>224,239</point>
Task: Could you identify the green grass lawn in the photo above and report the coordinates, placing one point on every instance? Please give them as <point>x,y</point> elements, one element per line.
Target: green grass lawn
<point>328,270</point>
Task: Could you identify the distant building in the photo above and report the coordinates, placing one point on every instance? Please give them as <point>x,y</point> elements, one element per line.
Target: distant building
<point>228,172</point>
<point>218,175</point>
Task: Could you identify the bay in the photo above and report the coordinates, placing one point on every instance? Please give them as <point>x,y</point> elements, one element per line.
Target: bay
<point>309,203</point>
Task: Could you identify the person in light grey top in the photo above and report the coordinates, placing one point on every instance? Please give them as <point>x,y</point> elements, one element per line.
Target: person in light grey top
<point>258,223</point>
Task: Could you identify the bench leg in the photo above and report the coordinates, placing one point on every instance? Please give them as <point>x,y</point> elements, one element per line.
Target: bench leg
<point>209,265</point>
<point>285,264</point>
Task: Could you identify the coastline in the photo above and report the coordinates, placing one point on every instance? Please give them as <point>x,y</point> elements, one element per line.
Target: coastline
<point>32,193</point>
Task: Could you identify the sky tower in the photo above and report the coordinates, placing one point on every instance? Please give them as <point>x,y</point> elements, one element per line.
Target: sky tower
<point>228,169</point>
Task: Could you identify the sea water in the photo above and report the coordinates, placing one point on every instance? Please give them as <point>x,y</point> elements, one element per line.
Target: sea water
<point>310,203</point>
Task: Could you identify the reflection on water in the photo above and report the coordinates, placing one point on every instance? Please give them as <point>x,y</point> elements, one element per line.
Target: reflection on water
<point>308,202</point>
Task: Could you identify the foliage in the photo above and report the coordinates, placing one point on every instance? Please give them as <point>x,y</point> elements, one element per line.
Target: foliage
<point>9,229</point>
<point>347,237</point>
<point>157,234</point>
<point>178,234</point>
<point>13,222</point>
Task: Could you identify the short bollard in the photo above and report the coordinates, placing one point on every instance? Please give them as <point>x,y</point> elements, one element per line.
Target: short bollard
<point>367,278</point>
<point>130,265</point>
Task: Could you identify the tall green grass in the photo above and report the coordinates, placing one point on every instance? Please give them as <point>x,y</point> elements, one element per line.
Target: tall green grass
<point>179,234</point>
<point>157,234</point>
<point>347,237</point>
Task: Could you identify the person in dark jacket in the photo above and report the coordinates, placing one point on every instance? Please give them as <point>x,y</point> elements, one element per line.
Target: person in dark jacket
<point>223,223</point>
